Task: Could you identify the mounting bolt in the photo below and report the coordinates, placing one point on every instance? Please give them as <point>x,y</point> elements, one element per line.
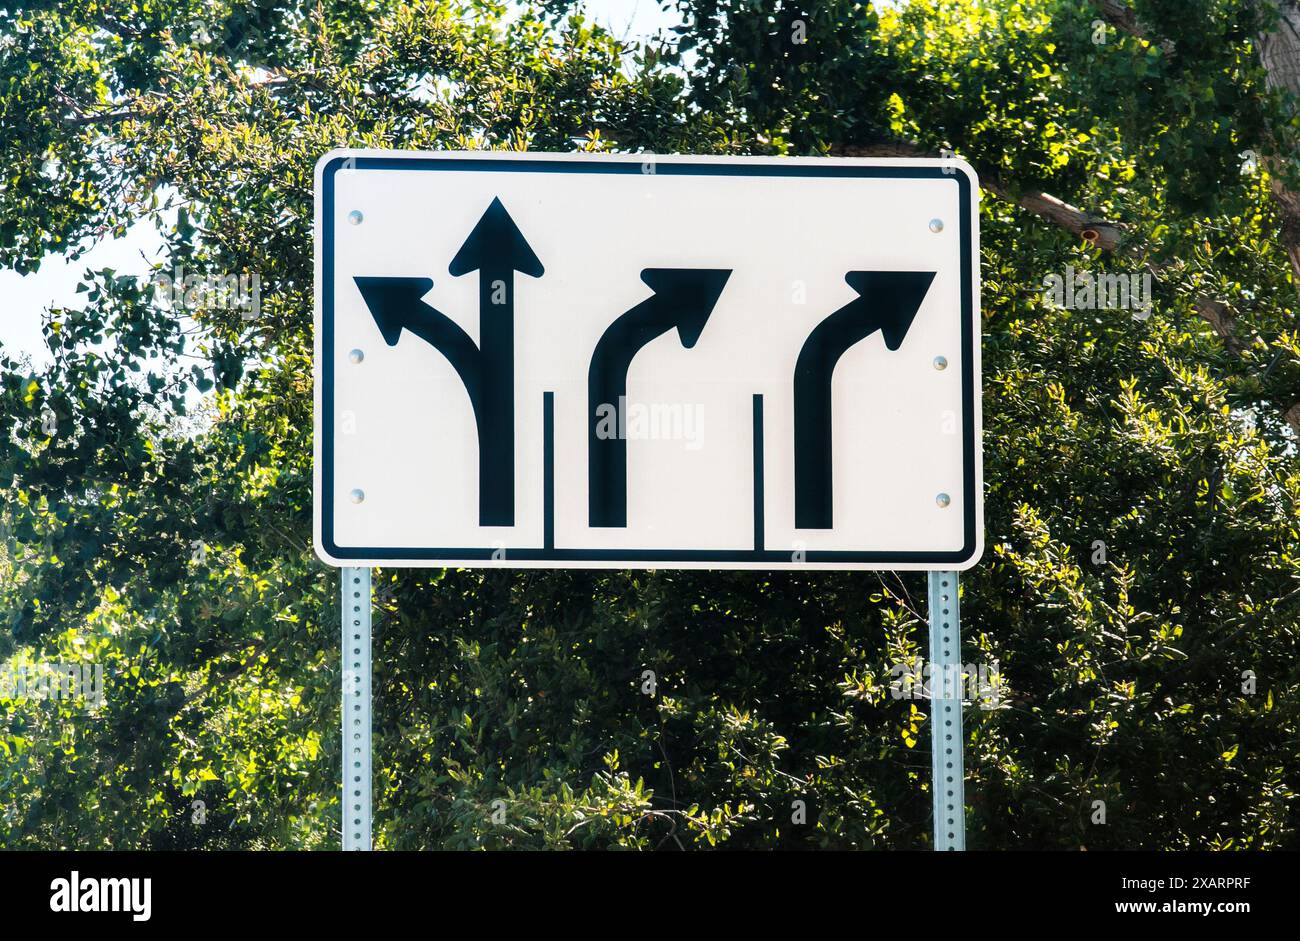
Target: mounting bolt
<point>355,217</point>
<point>941,363</point>
<point>356,356</point>
<point>357,495</point>
<point>936,225</point>
<point>942,499</point>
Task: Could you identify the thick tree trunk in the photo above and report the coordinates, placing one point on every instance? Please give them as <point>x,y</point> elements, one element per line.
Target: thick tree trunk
<point>1279,53</point>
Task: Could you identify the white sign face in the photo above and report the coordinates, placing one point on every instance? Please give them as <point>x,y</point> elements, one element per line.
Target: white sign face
<point>600,361</point>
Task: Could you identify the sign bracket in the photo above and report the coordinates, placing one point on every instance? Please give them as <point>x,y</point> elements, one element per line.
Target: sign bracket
<point>947,777</point>
<point>356,742</point>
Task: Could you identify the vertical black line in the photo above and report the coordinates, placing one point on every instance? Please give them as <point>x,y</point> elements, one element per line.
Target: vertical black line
<point>758,472</point>
<point>548,470</point>
<point>327,418</point>
<point>968,341</point>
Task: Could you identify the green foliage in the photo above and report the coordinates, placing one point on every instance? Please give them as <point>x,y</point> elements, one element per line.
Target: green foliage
<point>159,522</point>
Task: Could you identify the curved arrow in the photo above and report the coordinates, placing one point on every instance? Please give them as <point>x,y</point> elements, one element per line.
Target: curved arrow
<point>887,301</point>
<point>397,304</point>
<point>683,298</point>
<point>496,249</point>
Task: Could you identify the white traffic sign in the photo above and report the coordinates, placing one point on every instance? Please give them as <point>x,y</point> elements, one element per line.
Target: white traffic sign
<point>553,360</point>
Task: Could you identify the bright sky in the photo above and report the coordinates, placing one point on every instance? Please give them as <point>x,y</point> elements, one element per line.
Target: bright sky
<point>26,298</point>
<point>631,19</point>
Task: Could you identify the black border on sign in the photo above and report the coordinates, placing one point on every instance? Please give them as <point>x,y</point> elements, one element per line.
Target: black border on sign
<point>648,557</point>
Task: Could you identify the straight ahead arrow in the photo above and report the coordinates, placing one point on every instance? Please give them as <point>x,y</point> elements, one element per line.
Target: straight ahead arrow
<point>496,249</point>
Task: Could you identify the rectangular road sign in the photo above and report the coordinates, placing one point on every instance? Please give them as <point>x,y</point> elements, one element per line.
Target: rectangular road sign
<point>563,360</point>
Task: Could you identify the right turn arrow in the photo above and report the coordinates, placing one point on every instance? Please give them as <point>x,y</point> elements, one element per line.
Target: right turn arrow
<point>887,301</point>
<point>683,298</point>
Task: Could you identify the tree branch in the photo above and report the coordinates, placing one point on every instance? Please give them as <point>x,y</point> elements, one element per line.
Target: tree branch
<point>1101,233</point>
<point>1121,16</point>
<point>107,118</point>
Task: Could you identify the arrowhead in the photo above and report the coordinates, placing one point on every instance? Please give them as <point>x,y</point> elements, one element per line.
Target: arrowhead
<point>390,301</point>
<point>894,296</point>
<point>687,296</point>
<point>496,242</point>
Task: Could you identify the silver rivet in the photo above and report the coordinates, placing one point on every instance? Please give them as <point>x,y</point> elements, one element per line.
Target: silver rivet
<point>936,225</point>
<point>942,499</point>
<point>357,495</point>
<point>357,356</point>
<point>355,217</point>
<point>940,362</point>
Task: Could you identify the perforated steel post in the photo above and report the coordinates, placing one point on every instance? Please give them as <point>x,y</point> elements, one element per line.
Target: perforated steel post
<point>946,738</point>
<point>356,708</point>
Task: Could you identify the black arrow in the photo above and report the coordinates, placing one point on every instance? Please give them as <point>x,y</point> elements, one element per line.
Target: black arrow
<point>683,298</point>
<point>887,301</point>
<point>396,305</point>
<point>496,249</point>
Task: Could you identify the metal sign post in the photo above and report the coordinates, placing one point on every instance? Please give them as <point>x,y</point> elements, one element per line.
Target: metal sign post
<point>356,708</point>
<point>946,738</point>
